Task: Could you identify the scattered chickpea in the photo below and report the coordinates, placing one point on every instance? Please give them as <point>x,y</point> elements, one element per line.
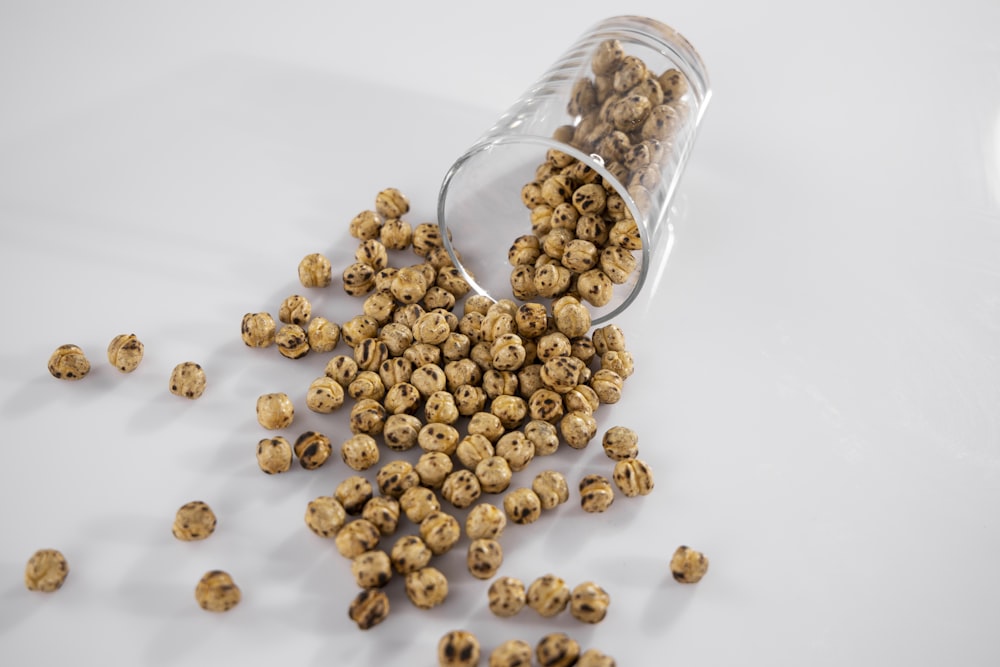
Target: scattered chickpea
<point>506,596</point>
<point>274,455</point>
<point>633,477</point>
<point>369,608</point>
<point>383,513</point>
<point>578,428</point>
<point>440,531</point>
<point>275,410</point>
<point>312,449</point>
<point>417,502</point>
<point>373,253</point>
<point>427,587</point>
<point>368,417</point>
<point>396,477</point>
<point>358,279</point>
<point>325,516</point>
<point>258,329</point>
<point>366,225</point>
<point>69,362</point>
<point>125,352</point>
<point>551,488</point>
<point>322,334</point>
<point>557,649</point>
<point>324,395</point>
<point>292,341</point>
<point>357,537</point>
<point>589,602</point>
<point>511,653</point>
<point>341,368</point>
<point>315,271</point>
<point>46,571</point>
<point>410,554</point>
<point>485,521</point>
<point>484,557</point>
<point>391,203</point>
<point>401,431</point>
<point>360,452</point>
<point>594,658</point>
<point>353,493</point>
<point>216,591</point>
<point>372,569</point>
<point>687,565</point>
<point>522,506</point>
<point>396,234</point>
<point>295,309</point>
<point>494,474</point>
<point>458,648</point>
<point>194,521</point>
<point>543,435</point>
<point>548,595</point>
<point>187,380</point>
<point>461,488</point>
<point>596,494</point>
<point>433,468</point>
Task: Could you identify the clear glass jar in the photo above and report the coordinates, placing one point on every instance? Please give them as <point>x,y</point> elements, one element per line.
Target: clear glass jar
<point>617,112</point>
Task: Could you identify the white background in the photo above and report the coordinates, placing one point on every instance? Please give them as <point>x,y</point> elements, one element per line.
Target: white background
<point>818,371</point>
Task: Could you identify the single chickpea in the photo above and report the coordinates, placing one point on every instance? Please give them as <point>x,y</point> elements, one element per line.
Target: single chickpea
<point>440,408</point>
<point>516,449</point>
<point>400,431</point>
<point>383,513</point>
<point>274,455</point>
<point>548,595</point>
<point>366,225</point>
<point>407,315</point>
<point>325,516</point>
<point>506,596</point>
<point>531,320</point>
<point>522,506</point>
<point>545,405</point>
<point>360,451</point>
<point>437,437</point>
<point>571,317</point>
<point>589,603</point>
<point>557,649</point>
<point>341,368</point>
<point>292,341</point>
<point>578,428</point>
<point>396,477</point>
<point>402,398</point>
<point>410,554</point>
<point>369,608</point>
<point>428,378</point>
<point>554,345</point>
<point>275,410</point>
<point>529,380</point>
<point>353,493</point>
<point>358,329</point>
<point>595,287</point>
<point>581,398</point>
<point>551,488</point>
<point>450,278</point>
<point>594,658</point>
<point>687,565</point>
<point>125,352</point>
<point>486,424</point>
<point>258,329</point>
<point>216,591</point>
<point>426,237</point>
<point>396,234</point>
<point>367,384</point>
<point>499,383</point>
<point>358,279</point>
<point>462,372</point>
<point>395,370</point>
<point>508,352</point>
<point>625,234</point>
<point>607,384</point>
<point>46,571</point>
<point>524,250</point>
<point>561,374</point>
<point>596,494</point>
<point>373,253</point>
<point>620,442</point>
<point>440,531</point>
<point>408,285</point>
<point>427,587</point>
<point>379,305</point>
<point>324,395</point>
<point>543,435</point>
<point>494,474</point>
<point>357,537</point>
<point>619,362</point>
<point>322,334</point>
<point>511,410</point>
<point>511,653</point>
<point>433,468</point>
<point>372,569</point>
<point>461,488</point>
<point>607,57</point>
<point>295,309</point>
<point>432,328</point>
<point>315,271</point>
<point>312,449</point>
<point>484,558</point>
<point>417,502</point>
<point>187,380</point>
<point>438,297</point>
<point>458,648</point>
<point>633,477</point>
<point>391,203</point>
<point>661,123</point>
<point>368,416</point>
<point>485,521</point>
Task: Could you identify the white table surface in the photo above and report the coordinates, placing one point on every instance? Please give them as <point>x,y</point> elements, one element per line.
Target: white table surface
<point>818,371</point>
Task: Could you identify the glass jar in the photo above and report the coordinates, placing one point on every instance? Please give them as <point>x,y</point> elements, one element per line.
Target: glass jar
<point>569,191</point>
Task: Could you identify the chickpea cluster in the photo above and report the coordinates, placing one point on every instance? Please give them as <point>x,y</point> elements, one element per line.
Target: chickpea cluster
<point>548,595</point>
<point>461,648</point>
<point>583,235</point>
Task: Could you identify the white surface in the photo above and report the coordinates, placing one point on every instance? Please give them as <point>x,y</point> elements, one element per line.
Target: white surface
<point>818,382</point>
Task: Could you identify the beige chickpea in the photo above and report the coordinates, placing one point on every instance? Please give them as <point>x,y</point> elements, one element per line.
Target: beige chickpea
<point>507,351</point>
<point>258,329</point>
<point>187,379</point>
<point>372,569</point>
<point>556,189</point>
<point>358,279</point>
<point>427,587</point>
<point>366,384</point>
<point>617,263</point>
<point>312,449</point>
<point>581,398</point>
<point>572,318</point>
<point>292,341</point>
<point>522,506</point>
<point>471,324</point>
<point>353,493</point>
<point>608,385</point>
<point>46,571</point>
<point>580,255</point>
<point>366,225</point>
<point>402,398</point>
<point>543,435</point>
<point>458,648</point>
<point>619,362</point>
<point>516,449</point>
<point>506,596</point>
<point>620,442</point>
<point>561,374</point>
<point>342,369</point>
<point>383,280</point>
<point>440,408</point>
<point>409,285</point>
<point>400,431</point>
<point>369,608</point>
<point>522,282</point>
<point>216,591</point>
<point>553,345</point>
<point>410,554</point>
<point>494,474</point>
<point>383,513</point>
<point>625,234</point>
<point>461,372</point>
<point>408,314</point>
<point>373,253</point>
<point>428,378</point>
<point>438,297</point>
<point>461,488</point>
<point>487,425</point>
<point>633,477</point>
<point>417,502</point>
<point>499,383</point>
<point>566,216</point>
<point>511,410</point>
<point>661,123</point>
<point>531,320</point>
<point>395,477</point>
<point>274,455</point>
<point>529,380</point>
<point>368,416</point>
<point>531,195</point>
<point>548,595</point>
<point>357,537</point>
<point>315,270</point>
<point>194,521</point>
<point>546,405</point>
<point>485,521</point>
<point>322,334</point>
<point>432,328</point>
<point>125,352</point>
<point>275,410</point>
<point>596,494</point>
<point>379,305</point>
<point>426,237</point>
<point>395,370</point>
<point>607,57</point>
<point>325,516</point>
<point>480,354</point>
<point>357,329</point>
<point>551,488</point>
<point>595,287</point>
<point>557,649</point>
<point>511,653</point>
<point>440,531</point>
<point>609,338</point>
<point>370,353</point>
<point>450,278</point>
<point>595,658</point>
<point>589,602</point>
<point>433,468</point>
<point>456,347</point>
<point>472,449</point>
<point>484,557</point>
<point>437,437</point>
<point>360,451</point>
<point>687,565</point>
<point>391,203</point>
<point>295,309</point>
<point>524,250</point>
<point>578,428</point>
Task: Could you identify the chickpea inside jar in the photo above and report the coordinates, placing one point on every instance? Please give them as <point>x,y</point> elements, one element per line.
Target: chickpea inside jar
<point>568,194</point>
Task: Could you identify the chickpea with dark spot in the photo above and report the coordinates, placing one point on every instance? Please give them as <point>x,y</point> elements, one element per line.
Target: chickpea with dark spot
<point>325,516</point>
<point>506,596</point>
<point>458,648</point>
<point>216,591</point>
<point>187,380</point>
<point>194,521</point>
<point>353,493</point>
<point>313,449</point>
<point>274,455</point>
<point>369,608</point>
<point>125,352</point>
